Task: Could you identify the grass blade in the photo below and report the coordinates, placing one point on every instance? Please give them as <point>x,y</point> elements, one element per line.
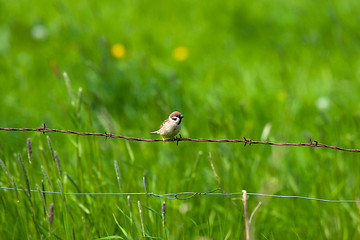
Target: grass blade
<point>41,149</point>
<point>42,198</point>
<point>118,174</point>
<point>25,176</point>
<point>50,146</point>
<point>79,97</point>
<point>58,164</point>
<point>85,227</point>
<point>16,190</point>
<point>47,178</point>
<point>73,182</point>
<point>6,170</point>
<point>128,236</point>
<point>43,190</point>
<point>63,198</point>
<point>110,237</point>
<point>68,86</point>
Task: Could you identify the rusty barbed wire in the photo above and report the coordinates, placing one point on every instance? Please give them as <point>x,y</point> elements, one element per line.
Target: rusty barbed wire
<point>246,141</point>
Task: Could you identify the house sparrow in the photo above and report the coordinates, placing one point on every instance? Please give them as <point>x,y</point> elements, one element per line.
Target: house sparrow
<point>171,126</point>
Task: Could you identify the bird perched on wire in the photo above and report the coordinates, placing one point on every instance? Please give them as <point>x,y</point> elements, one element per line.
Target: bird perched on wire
<point>171,126</point>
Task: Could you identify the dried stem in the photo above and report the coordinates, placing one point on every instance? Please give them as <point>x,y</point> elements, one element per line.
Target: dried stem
<point>246,216</point>
<point>141,219</point>
<point>253,212</point>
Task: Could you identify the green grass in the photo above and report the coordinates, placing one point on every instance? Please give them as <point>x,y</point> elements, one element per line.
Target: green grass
<point>293,66</point>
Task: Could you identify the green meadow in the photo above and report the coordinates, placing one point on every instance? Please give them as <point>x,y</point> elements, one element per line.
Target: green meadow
<point>278,71</point>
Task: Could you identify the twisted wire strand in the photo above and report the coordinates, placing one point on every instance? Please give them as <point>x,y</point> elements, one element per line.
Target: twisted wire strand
<point>175,196</point>
<point>246,141</point>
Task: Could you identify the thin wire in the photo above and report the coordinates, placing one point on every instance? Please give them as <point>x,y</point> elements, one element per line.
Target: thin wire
<point>192,194</point>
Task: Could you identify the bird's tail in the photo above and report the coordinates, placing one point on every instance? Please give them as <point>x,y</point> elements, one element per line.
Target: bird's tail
<point>155,132</point>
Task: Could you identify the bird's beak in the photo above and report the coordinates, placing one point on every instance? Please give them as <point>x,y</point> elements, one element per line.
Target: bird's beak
<point>181,116</point>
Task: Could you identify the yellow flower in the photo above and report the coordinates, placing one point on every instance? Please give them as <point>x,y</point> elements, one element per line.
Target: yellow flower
<point>180,53</point>
<point>118,51</point>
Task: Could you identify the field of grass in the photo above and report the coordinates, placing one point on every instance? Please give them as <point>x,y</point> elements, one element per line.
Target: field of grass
<point>281,71</point>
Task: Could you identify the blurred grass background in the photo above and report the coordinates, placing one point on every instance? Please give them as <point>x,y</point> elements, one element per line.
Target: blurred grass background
<point>289,67</point>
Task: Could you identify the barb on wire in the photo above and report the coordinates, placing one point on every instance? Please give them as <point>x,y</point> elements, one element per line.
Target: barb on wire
<point>174,196</point>
<point>248,141</point>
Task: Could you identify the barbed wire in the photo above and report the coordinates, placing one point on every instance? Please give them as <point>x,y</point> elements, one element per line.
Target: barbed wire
<point>175,196</point>
<point>246,141</point>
